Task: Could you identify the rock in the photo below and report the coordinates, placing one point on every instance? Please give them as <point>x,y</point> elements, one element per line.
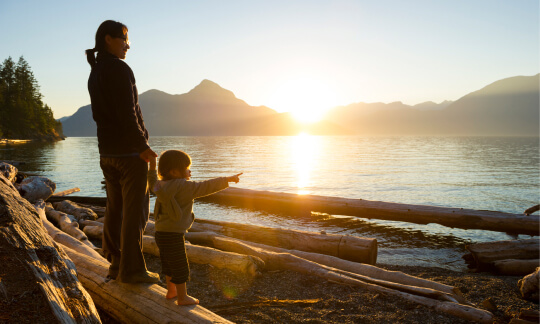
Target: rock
<point>529,286</point>
<point>35,188</point>
<point>8,171</point>
<point>489,304</point>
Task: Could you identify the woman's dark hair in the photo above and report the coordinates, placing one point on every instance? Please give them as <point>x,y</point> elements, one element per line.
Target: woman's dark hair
<point>108,27</point>
<point>172,160</point>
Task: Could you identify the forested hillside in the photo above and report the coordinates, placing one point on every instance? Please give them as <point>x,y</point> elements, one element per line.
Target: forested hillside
<point>23,115</point>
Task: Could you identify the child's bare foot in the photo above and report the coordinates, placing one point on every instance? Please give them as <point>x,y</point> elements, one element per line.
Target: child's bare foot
<point>187,300</point>
<point>171,294</point>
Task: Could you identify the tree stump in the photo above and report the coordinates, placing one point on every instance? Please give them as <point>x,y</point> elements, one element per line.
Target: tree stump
<point>38,280</point>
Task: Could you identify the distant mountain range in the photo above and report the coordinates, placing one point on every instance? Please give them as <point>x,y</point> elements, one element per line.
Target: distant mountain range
<point>508,107</point>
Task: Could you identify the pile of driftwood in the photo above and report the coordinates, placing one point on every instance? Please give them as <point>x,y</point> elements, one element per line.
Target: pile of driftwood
<point>233,246</point>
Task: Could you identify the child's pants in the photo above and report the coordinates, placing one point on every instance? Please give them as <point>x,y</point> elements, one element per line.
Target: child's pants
<point>172,251</point>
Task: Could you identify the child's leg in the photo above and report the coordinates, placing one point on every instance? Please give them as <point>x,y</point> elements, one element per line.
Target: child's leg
<point>183,297</point>
<point>171,288</point>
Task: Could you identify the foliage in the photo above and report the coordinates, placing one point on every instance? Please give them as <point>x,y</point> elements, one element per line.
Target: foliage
<point>23,115</point>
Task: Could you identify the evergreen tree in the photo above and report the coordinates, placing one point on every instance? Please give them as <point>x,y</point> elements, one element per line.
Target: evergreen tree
<point>22,112</point>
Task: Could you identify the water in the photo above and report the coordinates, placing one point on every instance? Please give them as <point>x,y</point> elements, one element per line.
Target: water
<point>486,173</point>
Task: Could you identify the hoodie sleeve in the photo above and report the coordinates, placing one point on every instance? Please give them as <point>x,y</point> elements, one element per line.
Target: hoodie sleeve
<point>152,179</point>
<point>204,188</point>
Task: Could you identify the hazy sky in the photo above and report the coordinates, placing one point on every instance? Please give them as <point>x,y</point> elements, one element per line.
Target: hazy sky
<point>345,51</point>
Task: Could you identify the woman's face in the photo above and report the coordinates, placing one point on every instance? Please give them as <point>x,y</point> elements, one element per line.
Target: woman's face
<point>117,46</point>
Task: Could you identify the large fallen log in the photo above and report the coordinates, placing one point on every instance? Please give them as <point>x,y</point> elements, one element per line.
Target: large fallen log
<point>352,248</point>
<point>135,303</point>
<point>247,264</point>
<point>419,214</point>
<point>428,297</point>
<point>486,253</point>
<point>38,280</point>
<point>207,238</point>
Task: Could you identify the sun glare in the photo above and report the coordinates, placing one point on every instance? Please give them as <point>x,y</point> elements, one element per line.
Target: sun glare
<point>306,99</point>
<point>304,152</point>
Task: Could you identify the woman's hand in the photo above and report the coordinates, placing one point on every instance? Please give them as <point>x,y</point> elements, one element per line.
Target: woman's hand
<point>235,178</point>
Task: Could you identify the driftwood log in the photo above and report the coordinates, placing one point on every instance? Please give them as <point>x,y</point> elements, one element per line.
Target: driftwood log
<point>529,286</point>
<point>34,262</point>
<point>207,238</point>
<point>352,248</point>
<point>435,299</point>
<point>72,208</point>
<point>68,225</point>
<point>8,171</point>
<point>419,214</point>
<point>35,188</point>
<point>515,267</point>
<point>66,192</point>
<point>247,264</point>
<point>134,303</point>
<point>483,255</point>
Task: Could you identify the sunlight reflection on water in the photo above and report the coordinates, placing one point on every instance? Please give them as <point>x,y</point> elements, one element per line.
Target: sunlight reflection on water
<point>487,173</point>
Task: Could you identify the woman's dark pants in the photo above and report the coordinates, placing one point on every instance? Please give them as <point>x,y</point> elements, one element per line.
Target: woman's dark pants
<point>126,214</point>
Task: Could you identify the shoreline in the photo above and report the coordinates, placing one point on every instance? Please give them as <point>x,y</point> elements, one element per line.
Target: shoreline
<point>7,141</point>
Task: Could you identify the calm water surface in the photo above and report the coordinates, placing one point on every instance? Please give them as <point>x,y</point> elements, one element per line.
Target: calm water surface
<point>490,173</point>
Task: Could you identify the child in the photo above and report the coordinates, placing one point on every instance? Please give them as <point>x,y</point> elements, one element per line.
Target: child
<point>173,214</point>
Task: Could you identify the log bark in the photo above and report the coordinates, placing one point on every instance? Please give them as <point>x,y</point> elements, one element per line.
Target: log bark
<point>207,238</point>
<point>428,297</point>
<point>529,315</point>
<point>72,208</point>
<point>94,231</point>
<point>135,303</point>
<point>247,264</point>
<point>513,267</point>
<point>31,257</point>
<point>529,286</point>
<point>352,248</point>
<point>484,254</point>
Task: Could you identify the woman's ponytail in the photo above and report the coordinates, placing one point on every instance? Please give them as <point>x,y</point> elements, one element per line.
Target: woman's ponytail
<point>91,57</point>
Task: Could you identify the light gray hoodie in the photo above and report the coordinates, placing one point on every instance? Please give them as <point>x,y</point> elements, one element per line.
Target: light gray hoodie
<point>173,211</point>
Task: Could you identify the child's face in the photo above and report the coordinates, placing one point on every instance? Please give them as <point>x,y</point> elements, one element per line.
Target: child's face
<point>184,174</point>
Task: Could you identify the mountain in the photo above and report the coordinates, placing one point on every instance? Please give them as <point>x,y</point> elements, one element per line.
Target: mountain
<point>207,109</point>
<point>508,107</point>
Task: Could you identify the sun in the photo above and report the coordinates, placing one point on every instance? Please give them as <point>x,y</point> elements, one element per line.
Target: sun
<point>306,99</point>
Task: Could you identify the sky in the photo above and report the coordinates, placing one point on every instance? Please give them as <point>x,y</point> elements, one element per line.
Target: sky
<point>287,55</point>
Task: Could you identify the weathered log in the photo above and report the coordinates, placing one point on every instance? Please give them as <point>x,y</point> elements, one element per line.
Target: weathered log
<point>531,210</point>
<point>94,201</point>
<point>135,303</point>
<point>35,188</point>
<point>513,267</point>
<point>84,222</point>
<point>66,192</point>
<point>484,254</point>
<point>94,231</point>
<point>51,289</point>
<point>428,297</point>
<point>520,321</point>
<point>247,264</point>
<point>72,208</point>
<point>63,238</point>
<point>419,214</point>
<point>529,286</point>
<point>8,171</point>
<point>207,238</point>
<point>68,225</point>
<point>352,248</point>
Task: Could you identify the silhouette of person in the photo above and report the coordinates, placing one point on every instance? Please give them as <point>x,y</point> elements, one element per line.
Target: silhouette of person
<point>124,153</point>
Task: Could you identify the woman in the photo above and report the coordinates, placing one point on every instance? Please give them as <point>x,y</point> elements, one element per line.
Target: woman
<point>124,153</point>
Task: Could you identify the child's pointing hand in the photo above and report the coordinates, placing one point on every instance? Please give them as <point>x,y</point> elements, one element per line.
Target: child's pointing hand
<point>235,178</point>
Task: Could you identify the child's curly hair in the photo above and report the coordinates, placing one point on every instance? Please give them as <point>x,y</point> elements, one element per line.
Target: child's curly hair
<point>172,160</point>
